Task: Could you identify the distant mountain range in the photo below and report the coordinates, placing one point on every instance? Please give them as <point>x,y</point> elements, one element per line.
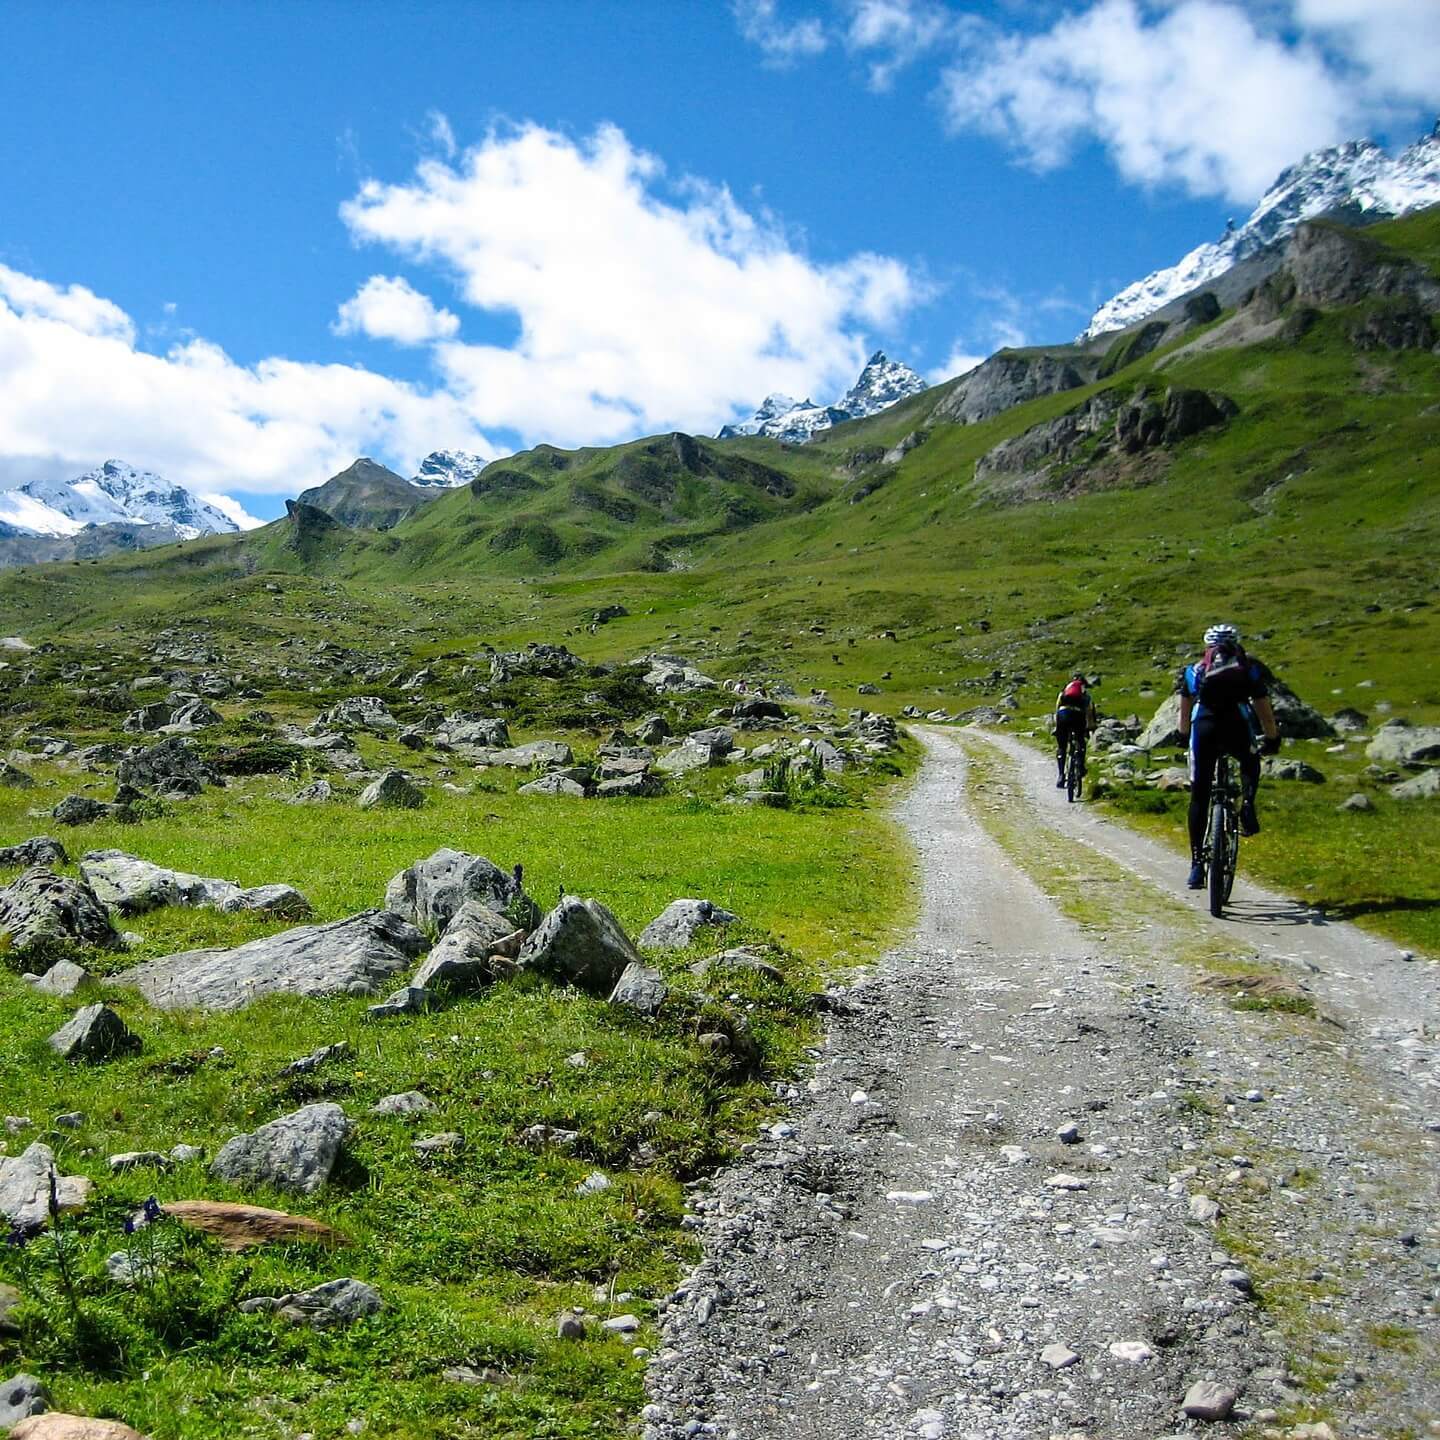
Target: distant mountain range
<point>780,417</point>
<point>1356,181</point>
<point>112,494</point>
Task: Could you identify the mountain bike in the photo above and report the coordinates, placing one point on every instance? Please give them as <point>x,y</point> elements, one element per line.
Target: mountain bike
<point>1075,768</point>
<point>1222,839</point>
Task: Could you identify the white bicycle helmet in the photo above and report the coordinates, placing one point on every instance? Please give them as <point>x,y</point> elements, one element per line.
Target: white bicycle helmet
<point>1222,635</point>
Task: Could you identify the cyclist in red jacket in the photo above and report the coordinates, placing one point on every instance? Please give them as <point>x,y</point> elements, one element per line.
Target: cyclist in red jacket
<point>1074,719</point>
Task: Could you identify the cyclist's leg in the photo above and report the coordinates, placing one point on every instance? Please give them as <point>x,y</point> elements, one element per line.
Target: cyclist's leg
<point>1243,749</point>
<point>1204,748</point>
<point>1062,744</point>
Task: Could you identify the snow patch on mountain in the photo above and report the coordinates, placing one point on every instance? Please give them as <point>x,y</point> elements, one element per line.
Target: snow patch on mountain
<point>114,493</point>
<point>1358,177</point>
<point>780,417</point>
<point>448,469</point>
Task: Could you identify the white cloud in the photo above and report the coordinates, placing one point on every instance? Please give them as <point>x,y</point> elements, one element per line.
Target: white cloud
<point>895,33</point>
<point>1196,95</point>
<point>74,388</point>
<point>390,308</point>
<point>441,133</point>
<point>640,306</point>
<point>233,509</point>
<point>958,362</point>
<point>1395,42</point>
<point>782,42</point>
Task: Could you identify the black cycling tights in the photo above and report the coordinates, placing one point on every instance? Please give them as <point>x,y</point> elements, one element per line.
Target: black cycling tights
<point>1211,737</point>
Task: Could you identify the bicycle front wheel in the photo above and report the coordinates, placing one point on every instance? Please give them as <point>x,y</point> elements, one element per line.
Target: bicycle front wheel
<point>1219,859</point>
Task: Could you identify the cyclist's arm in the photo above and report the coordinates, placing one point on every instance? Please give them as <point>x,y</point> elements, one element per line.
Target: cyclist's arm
<point>1264,713</point>
<point>1092,717</point>
<point>1187,705</point>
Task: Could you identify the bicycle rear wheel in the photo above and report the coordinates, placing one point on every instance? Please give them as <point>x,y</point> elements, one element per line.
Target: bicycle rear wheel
<point>1218,849</point>
<point>1074,772</point>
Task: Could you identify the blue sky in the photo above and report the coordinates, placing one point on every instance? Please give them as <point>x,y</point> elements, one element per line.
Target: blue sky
<point>241,244</point>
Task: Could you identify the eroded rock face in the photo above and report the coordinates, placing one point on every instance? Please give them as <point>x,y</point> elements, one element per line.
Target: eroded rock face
<point>580,943</point>
<point>1009,378</point>
<point>42,908</point>
<point>356,956</point>
<point>431,891</point>
<point>296,1152</point>
<point>1334,265</point>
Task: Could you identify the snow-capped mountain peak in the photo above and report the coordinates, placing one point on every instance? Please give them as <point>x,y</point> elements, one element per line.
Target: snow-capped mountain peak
<point>110,494</point>
<point>1357,176</point>
<point>882,382</point>
<point>447,469</point>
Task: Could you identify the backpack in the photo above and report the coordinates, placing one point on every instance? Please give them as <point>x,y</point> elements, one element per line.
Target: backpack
<point>1073,693</point>
<point>1223,677</point>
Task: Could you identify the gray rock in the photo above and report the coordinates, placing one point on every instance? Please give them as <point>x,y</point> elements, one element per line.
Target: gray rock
<point>741,958</point>
<point>355,956</point>
<point>173,767</point>
<point>94,1033</point>
<point>580,943</point>
<point>21,1396</point>
<point>408,1000</point>
<point>394,790</point>
<point>296,1152</point>
<point>336,1302</point>
<point>636,786</point>
<point>1425,786</point>
<point>9,1299</point>
<point>63,979</point>
<point>308,1064</point>
<point>132,886</point>
<point>1206,1400</point>
<point>1405,745</point>
<point>42,850</point>
<point>1058,1356</point>
<point>1203,1209</point>
<point>1275,768</point>
<point>410,1102</point>
<point>1163,731</point>
<point>186,1154</point>
<point>686,757</point>
<point>474,730</point>
<point>652,730</point>
<point>81,810</point>
<point>280,901</point>
<point>640,988</point>
<point>359,712</point>
<point>463,956</point>
<point>41,908</point>
<point>680,922</point>
<point>139,1160</point>
<point>569,1326</point>
<point>553,785</point>
<point>544,753</point>
<point>147,719</point>
<point>14,778</point>
<point>431,891</point>
<point>1358,802</point>
<point>447,1142</point>
<point>25,1183</point>
<point>315,793</point>
<point>1296,719</point>
<point>1349,721</point>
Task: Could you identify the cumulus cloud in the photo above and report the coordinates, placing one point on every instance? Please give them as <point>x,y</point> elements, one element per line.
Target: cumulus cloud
<point>782,42</point>
<point>233,509</point>
<point>1211,95</point>
<point>959,361</point>
<point>75,388</point>
<point>892,34</point>
<point>641,305</point>
<point>388,307</point>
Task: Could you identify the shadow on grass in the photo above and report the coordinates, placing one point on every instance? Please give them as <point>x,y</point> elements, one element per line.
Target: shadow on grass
<point>1378,905</point>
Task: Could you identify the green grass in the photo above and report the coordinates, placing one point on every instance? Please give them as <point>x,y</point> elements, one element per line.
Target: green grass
<point>474,1253</point>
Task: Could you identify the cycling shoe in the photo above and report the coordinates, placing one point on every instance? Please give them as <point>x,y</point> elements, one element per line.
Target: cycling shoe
<point>1249,820</point>
<point>1197,876</point>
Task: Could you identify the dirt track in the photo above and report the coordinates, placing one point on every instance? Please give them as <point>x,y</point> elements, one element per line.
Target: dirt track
<point>898,1253</point>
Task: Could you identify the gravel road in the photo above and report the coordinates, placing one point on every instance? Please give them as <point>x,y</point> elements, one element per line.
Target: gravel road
<point>1040,1183</point>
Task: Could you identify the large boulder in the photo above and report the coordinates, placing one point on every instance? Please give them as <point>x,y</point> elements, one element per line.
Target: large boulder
<point>62,979</point>
<point>1425,786</point>
<point>464,957</point>
<point>26,1181</point>
<point>41,908</point>
<point>1405,744</point>
<point>296,1152</point>
<point>394,790</point>
<point>1296,719</point>
<point>147,719</point>
<point>688,756</point>
<point>173,768</point>
<point>680,922</point>
<point>94,1033</point>
<point>546,754</point>
<point>359,712</point>
<point>20,1397</point>
<point>14,778</point>
<point>640,988</point>
<point>356,956</point>
<point>431,891</point>
<point>131,886</point>
<point>554,785</point>
<point>580,943</point>
<point>83,810</point>
<point>1163,730</point>
<point>473,730</point>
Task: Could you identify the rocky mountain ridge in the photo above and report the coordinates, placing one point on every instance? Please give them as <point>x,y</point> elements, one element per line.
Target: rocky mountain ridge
<point>111,494</point>
<point>1357,179</point>
<point>448,469</point>
<point>881,384</point>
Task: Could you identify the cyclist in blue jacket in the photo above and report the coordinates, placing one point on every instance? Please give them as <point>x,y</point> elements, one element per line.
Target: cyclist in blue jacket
<point>1224,700</point>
